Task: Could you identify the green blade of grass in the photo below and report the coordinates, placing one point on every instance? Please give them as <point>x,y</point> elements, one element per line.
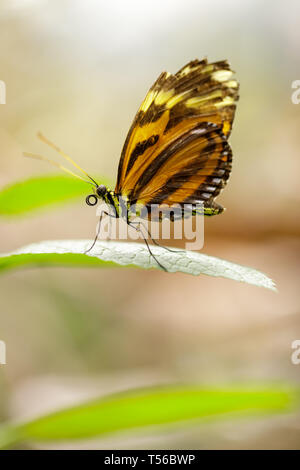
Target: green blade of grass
<point>35,193</point>
<point>150,407</point>
<point>107,254</point>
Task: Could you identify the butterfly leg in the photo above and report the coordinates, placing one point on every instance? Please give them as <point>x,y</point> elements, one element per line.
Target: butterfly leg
<point>99,228</point>
<point>132,224</point>
<point>155,241</point>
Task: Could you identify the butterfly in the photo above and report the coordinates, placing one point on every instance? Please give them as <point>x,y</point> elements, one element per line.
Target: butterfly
<point>177,150</point>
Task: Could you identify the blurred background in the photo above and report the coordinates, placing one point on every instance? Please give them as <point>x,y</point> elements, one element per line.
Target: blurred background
<point>77,71</point>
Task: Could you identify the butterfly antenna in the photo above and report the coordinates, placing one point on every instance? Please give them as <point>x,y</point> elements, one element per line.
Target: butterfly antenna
<point>64,155</point>
<point>54,163</point>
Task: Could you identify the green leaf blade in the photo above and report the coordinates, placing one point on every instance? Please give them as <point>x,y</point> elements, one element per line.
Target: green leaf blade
<point>35,193</point>
<point>154,407</point>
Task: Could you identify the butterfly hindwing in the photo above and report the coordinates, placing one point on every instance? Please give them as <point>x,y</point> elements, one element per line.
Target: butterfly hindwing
<point>193,170</point>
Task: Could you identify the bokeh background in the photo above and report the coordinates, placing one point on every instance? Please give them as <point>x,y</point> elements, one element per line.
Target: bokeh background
<point>77,70</point>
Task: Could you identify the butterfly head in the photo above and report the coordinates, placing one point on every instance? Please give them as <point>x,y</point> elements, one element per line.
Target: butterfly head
<point>99,193</point>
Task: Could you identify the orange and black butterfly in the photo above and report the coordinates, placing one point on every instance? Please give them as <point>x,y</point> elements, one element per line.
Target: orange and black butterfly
<point>177,150</point>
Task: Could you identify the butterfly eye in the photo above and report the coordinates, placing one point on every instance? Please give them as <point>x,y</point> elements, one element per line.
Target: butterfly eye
<point>91,200</point>
<point>101,190</point>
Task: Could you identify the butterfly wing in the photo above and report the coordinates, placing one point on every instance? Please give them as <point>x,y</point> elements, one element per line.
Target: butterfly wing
<point>176,150</point>
<point>193,169</point>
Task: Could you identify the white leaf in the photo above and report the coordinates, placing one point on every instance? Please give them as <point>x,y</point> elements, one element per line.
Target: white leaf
<point>137,254</point>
